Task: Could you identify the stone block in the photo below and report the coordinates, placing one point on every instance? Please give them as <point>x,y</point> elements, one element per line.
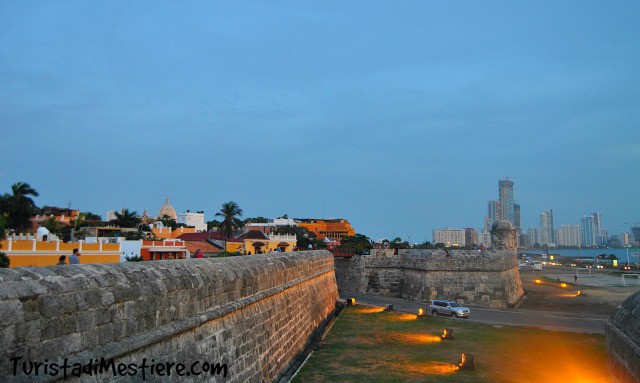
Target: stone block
<point>11,312</point>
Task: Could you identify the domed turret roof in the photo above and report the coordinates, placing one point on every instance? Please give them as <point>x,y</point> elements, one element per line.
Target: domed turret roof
<point>502,225</point>
<point>168,210</point>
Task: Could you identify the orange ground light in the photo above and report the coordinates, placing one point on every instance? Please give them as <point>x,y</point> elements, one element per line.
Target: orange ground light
<point>555,357</point>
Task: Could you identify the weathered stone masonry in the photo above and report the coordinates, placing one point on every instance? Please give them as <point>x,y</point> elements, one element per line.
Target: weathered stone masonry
<point>623,340</point>
<point>488,278</point>
<point>253,313</point>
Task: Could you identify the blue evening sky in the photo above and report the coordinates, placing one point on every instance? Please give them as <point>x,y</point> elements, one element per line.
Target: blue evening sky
<point>399,116</point>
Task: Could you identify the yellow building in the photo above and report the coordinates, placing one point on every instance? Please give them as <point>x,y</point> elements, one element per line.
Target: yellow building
<point>332,228</point>
<point>256,242</point>
<point>30,252</point>
<point>166,232</point>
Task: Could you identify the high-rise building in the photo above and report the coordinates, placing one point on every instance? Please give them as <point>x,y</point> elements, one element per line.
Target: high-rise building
<point>597,226</point>
<point>588,231</point>
<point>470,236</point>
<point>516,215</point>
<point>505,191</point>
<point>534,235</point>
<point>450,237</point>
<point>487,224</point>
<point>603,238</point>
<point>484,239</point>
<point>494,211</point>
<point>624,238</point>
<point>525,240</point>
<point>547,233</point>
<point>568,235</point>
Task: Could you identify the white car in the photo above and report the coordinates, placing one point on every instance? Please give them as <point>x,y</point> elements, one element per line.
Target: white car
<point>449,308</point>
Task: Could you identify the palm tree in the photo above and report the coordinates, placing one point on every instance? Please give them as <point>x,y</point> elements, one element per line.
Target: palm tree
<point>126,218</point>
<point>230,212</point>
<point>53,226</point>
<point>4,200</point>
<point>17,208</point>
<point>77,223</point>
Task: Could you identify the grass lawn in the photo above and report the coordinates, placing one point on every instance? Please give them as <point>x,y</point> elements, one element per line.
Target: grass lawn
<point>369,345</point>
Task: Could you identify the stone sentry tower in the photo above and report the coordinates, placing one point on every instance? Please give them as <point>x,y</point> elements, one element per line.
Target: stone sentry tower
<point>504,236</point>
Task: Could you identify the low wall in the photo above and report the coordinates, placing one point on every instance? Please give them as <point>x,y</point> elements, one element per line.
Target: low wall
<point>253,314</point>
<point>623,340</point>
<point>488,278</point>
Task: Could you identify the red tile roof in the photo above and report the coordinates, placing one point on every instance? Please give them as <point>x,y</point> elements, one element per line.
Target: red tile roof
<point>205,236</point>
<point>253,234</point>
<point>204,246</point>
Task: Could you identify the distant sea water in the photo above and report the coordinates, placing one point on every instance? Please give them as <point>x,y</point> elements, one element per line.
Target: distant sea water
<point>584,253</point>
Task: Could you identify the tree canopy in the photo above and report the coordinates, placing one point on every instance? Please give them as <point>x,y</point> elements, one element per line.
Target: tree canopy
<point>168,221</point>
<point>213,224</point>
<point>356,244</point>
<point>126,218</point>
<point>424,245</point>
<point>398,243</point>
<point>256,220</point>
<point>18,207</point>
<point>230,213</point>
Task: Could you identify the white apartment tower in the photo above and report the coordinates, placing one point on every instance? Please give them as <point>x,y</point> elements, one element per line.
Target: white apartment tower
<point>547,233</point>
<point>568,235</point>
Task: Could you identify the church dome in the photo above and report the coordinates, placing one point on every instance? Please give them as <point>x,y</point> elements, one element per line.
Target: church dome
<point>168,210</point>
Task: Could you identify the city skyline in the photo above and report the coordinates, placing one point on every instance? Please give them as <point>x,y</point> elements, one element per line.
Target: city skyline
<point>537,234</point>
<point>397,117</point>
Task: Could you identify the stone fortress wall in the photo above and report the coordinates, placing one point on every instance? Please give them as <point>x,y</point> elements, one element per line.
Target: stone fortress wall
<point>255,314</point>
<point>487,278</point>
<point>623,340</point>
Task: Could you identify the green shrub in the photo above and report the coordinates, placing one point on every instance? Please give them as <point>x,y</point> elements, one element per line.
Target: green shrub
<point>4,260</point>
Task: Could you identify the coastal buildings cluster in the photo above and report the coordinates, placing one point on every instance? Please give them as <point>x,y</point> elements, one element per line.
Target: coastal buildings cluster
<point>589,232</point>
<point>167,235</point>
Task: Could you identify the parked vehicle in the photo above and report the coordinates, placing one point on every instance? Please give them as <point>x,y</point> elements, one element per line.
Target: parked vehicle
<point>449,308</point>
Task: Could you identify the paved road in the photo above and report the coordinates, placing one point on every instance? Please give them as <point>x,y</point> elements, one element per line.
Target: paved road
<point>507,317</point>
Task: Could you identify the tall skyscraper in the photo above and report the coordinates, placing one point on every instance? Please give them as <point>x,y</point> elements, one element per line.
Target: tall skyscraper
<point>597,227</point>
<point>505,191</point>
<point>494,211</point>
<point>534,235</point>
<point>547,233</point>
<point>603,238</point>
<point>588,230</point>
<point>504,208</point>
